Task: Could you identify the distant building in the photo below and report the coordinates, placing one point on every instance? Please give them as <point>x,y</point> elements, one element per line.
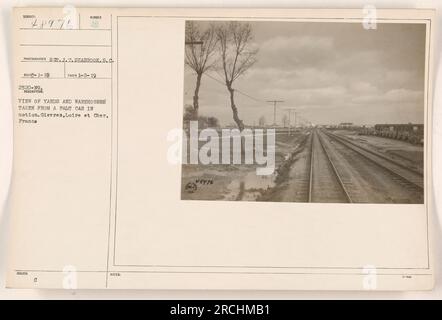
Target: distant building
<point>345,125</point>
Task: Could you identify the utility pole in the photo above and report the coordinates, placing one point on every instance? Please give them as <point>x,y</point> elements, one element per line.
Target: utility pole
<point>274,109</point>
<point>290,117</point>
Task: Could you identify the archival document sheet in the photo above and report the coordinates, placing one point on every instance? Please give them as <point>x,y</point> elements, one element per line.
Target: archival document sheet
<point>256,149</point>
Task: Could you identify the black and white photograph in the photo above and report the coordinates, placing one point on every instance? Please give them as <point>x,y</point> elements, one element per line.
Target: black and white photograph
<point>221,152</point>
<point>290,111</point>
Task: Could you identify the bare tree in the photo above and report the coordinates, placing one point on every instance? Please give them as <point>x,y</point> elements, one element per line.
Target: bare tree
<point>200,54</point>
<point>262,121</point>
<point>237,56</point>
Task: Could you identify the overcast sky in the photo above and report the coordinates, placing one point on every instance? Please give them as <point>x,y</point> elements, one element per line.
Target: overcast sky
<point>330,72</point>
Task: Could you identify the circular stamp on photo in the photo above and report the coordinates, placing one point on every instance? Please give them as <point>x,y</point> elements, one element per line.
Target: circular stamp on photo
<point>190,187</point>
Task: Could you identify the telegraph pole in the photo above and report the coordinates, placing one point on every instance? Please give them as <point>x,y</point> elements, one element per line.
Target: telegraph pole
<point>274,109</point>
<point>290,116</point>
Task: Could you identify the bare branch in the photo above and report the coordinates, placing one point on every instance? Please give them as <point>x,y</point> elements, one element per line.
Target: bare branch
<point>237,56</point>
<point>199,54</point>
<point>200,50</point>
<point>235,44</point>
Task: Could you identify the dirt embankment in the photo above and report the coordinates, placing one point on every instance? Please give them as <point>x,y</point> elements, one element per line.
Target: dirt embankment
<point>286,174</point>
<point>239,182</point>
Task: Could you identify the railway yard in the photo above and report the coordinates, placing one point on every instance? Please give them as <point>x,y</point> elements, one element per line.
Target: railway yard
<point>321,165</point>
<point>335,168</point>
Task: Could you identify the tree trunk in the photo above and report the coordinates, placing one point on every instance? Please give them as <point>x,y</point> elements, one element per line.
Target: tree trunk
<point>238,121</point>
<point>195,96</point>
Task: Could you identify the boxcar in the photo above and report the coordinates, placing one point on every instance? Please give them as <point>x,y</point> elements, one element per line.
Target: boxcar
<point>413,133</point>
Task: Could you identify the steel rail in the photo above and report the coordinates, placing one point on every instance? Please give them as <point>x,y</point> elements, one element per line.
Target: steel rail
<point>354,147</point>
<point>335,170</point>
<point>310,184</point>
<point>374,153</point>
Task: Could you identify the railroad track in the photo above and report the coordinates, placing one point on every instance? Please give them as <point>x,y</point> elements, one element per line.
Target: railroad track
<point>325,183</point>
<point>404,175</point>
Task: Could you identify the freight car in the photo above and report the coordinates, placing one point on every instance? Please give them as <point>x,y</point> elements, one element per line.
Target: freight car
<point>413,133</point>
